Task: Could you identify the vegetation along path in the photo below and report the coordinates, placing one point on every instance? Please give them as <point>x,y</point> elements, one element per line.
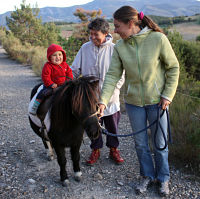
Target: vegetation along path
<point>25,171</point>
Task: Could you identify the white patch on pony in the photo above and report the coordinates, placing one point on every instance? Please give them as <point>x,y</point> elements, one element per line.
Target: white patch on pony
<point>34,118</point>
<point>47,121</point>
<point>65,183</point>
<point>50,151</point>
<point>78,174</point>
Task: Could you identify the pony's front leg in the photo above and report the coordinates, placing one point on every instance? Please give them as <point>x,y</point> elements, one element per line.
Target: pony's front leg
<point>60,152</point>
<point>75,156</point>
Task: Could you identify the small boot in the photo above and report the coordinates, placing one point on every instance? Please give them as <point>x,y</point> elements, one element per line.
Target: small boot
<point>34,108</point>
<point>93,157</point>
<point>115,155</point>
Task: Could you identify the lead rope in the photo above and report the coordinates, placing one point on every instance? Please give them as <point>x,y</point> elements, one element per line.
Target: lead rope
<point>163,133</point>
<point>157,122</point>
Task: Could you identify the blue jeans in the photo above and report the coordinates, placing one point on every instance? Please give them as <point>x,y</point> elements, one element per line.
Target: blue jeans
<point>138,116</point>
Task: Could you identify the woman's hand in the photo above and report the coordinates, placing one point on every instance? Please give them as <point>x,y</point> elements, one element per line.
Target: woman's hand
<point>164,103</point>
<point>101,109</point>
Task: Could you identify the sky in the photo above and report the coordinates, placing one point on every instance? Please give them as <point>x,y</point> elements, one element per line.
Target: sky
<point>9,5</point>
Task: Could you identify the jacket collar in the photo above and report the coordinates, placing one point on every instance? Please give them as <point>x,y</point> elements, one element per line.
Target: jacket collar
<point>139,36</point>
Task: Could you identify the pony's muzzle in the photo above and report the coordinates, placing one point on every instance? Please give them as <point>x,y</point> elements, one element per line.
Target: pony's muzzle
<point>96,135</point>
<point>93,132</point>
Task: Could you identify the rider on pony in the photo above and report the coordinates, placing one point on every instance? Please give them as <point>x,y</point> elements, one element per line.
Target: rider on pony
<point>54,73</point>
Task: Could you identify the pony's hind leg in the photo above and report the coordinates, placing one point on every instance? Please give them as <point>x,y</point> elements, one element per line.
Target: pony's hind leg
<point>75,156</point>
<point>50,151</point>
<point>60,152</point>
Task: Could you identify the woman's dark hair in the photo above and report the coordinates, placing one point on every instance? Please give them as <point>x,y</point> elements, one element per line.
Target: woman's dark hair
<point>128,13</point>
<point>99,24</point>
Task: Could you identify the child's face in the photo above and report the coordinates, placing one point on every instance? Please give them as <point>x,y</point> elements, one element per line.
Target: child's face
<point>97,37</point>
<point>57,58</point>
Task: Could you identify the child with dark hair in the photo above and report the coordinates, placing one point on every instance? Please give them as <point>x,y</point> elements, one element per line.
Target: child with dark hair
<point>94,59</point>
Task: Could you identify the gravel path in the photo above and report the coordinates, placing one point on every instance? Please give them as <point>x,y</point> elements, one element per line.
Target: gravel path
<point>25,171</point>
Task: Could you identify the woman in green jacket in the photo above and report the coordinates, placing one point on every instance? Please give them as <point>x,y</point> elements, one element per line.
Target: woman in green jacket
<point>151,78</point>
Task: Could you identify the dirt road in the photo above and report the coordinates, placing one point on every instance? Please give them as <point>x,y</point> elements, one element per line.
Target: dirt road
<point>25,171</point>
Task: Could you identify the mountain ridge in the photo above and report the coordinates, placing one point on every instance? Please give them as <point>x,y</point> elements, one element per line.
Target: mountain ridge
<point>165,8</point>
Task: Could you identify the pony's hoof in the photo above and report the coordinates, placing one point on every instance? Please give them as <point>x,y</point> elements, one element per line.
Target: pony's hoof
<point>65,183</point>
<point>78,176</point>
<point>50,155</point>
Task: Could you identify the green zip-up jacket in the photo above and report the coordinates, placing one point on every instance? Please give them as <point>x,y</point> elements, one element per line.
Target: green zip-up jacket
<point>151,69</point>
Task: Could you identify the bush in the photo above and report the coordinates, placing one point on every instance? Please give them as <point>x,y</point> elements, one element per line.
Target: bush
<point>26,54</point>
<point>185,109</point>
<point>38,55</point>
<point>187,53</point>
<point>71,47</point>
<point>185,120</point>
<point>2,35</point>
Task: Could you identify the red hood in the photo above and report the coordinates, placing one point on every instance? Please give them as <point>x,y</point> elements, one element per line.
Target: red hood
<point>53,48</point>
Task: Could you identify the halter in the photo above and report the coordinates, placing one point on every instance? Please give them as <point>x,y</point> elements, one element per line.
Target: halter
<point>92,115</point>
<point>85,119</point>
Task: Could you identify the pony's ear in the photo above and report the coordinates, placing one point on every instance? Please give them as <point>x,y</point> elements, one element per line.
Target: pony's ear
<point>95,82</point>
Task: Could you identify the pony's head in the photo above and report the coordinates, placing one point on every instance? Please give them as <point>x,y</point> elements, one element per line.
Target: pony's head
<point>85,104</point>
<point>76,102</point>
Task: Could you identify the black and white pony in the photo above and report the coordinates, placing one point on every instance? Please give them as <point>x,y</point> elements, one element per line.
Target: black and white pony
<point>72,109</point>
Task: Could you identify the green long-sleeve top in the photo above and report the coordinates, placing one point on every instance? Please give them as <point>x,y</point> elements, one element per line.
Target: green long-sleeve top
<point>151,69</point>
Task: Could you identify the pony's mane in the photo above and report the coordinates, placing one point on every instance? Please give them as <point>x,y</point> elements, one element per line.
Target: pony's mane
<point>85,87</point>
<point>71,96</point>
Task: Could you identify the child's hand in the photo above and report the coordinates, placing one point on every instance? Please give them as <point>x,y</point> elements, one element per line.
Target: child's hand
<point>54,86</point>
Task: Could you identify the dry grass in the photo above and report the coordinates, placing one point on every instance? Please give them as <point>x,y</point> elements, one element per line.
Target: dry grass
<point>189,31</point>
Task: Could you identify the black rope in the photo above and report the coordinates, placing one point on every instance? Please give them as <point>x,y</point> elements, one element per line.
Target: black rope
<point>157,122</point>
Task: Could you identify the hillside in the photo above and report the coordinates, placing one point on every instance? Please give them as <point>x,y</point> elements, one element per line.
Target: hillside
<point>149,7</point>
<point>189,31</point>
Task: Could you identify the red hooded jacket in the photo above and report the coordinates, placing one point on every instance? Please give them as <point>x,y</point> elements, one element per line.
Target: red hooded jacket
<point>52,73</point>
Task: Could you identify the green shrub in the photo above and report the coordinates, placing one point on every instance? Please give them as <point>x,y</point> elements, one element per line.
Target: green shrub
<point>25,53</point>
<point>185,120</point>
<point>2,35</point>
<point>71,47</point>
<point>38,59</point>
<point>185,109</point>
<point>187,53</point>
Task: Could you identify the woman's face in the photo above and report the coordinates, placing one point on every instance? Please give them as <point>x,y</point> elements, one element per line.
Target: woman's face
<point>124,30</point>
<point>57,58</point>
<point>97,37</point>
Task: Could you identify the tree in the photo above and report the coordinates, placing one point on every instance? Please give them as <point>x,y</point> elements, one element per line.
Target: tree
<point>49,34</point>
<point>85,17</point>
<point>198,38</point>
<point>26,26</point>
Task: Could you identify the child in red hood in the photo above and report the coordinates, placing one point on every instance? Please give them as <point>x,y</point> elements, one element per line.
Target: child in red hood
<point>54,73</point>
